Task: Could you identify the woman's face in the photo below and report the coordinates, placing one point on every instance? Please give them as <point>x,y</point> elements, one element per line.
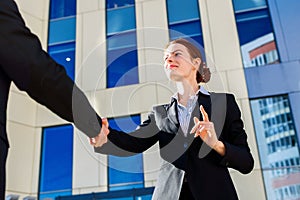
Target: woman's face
<point>178,64</point>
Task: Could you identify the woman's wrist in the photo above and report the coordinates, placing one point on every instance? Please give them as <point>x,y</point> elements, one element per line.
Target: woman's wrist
<point>219,147</point>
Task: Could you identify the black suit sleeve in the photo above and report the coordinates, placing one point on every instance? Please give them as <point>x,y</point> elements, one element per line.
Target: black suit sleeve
<point>123,144</point>
<point>238,155</point>
<point>34,71</point>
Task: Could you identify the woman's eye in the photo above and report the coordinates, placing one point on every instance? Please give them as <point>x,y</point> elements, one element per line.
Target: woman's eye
<point>177,54</point>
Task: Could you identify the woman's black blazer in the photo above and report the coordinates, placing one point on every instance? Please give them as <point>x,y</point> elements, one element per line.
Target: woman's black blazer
<point>206,171</point>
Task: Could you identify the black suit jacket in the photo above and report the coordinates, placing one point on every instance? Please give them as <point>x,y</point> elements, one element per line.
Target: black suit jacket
<point>23,62</point>
<point>206,171</point>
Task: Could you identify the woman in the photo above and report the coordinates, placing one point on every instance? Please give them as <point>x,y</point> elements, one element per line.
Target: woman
<point>196,151</point>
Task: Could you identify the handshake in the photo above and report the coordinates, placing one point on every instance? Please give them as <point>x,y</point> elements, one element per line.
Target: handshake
<point>101,138</point>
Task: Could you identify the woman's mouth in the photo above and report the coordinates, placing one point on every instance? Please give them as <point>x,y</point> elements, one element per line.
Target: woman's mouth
<point>172,66</point>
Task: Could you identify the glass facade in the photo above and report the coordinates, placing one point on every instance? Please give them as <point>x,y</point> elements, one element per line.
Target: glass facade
<point>118,3</point>
<point>273,117</point>
<point>130,194</point>
<point>125,172</point>
<point>62,8</point>
<point>64,54</point>
<point>122,63</point>
<point>255,30</point>
<point>62,34</point>
<point>56,165</point>
<point>56,162</point>
<point>122,69</point>
<point>187,24</point>
<point>278,147</point>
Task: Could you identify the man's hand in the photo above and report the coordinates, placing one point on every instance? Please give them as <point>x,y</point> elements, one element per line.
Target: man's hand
<point>101,139</point>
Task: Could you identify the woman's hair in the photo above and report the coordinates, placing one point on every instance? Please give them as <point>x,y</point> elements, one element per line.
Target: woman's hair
<point>203,73</point>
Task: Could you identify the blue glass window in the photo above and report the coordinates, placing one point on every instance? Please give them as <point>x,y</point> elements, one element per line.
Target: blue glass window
<point>120,19</point>
<point>187,23</point>
<point>118,3</point>
<point>255,32</point>
<point>64,54</point>
<point>62,34</point>
<point>248,4</point>
<point>130,194</point>
<point>122,63</point>
<point>122,68</point>
<point>277,144</point>
<point>57,142</point>
<point>125,172</point>
<point>62,30</point>
<point>62,8</point>
<point>56,162</point>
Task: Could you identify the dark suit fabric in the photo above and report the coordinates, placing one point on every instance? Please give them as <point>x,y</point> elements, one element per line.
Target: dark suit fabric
<point>23,62</point>
<point>206,171</point>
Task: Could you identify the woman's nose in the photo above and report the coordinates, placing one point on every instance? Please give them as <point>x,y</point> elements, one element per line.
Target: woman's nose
<point>170,59</point>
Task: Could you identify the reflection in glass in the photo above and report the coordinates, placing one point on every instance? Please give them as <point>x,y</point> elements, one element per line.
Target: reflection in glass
<point>255,32</point>
<point>187,23</point>
<point>125,172</point>
<point>56,162</point>
<point>110,4</point>
<point>122,59</point>
<point>278,147</point>
<point>64,54</point>
<point>62,8</point>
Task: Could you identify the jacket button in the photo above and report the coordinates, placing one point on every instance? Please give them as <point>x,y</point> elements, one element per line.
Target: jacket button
<point>185,145</point>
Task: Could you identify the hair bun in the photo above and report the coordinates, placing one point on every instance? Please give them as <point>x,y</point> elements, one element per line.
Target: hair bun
<point>205,74</point>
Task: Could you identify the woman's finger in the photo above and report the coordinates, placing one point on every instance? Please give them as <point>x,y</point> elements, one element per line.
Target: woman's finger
<point>105,122</point>
<point>195,127</point>
<point>196,120</point>
<point>204,114</point>
<point>92,141</point>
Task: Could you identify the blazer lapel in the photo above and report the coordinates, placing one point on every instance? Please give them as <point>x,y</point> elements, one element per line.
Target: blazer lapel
<point>218,108</point>
<point>195,113</point>
<point>167,118</point>
<point>172,113</point>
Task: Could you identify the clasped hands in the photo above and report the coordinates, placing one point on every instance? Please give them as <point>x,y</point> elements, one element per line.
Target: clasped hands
<point>206,131</point>
<point>101,138</point>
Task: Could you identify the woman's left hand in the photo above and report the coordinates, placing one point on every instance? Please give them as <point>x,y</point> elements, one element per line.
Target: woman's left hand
<point>205,129</point>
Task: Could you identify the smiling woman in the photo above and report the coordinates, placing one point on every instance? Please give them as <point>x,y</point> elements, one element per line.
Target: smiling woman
<point>181,50</point>
<point>200,133</point>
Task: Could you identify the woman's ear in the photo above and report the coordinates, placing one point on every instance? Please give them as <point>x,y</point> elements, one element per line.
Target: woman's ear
<point>197,62</point>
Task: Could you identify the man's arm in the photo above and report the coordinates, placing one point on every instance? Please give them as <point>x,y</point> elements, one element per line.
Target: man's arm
<point>34,71</point>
